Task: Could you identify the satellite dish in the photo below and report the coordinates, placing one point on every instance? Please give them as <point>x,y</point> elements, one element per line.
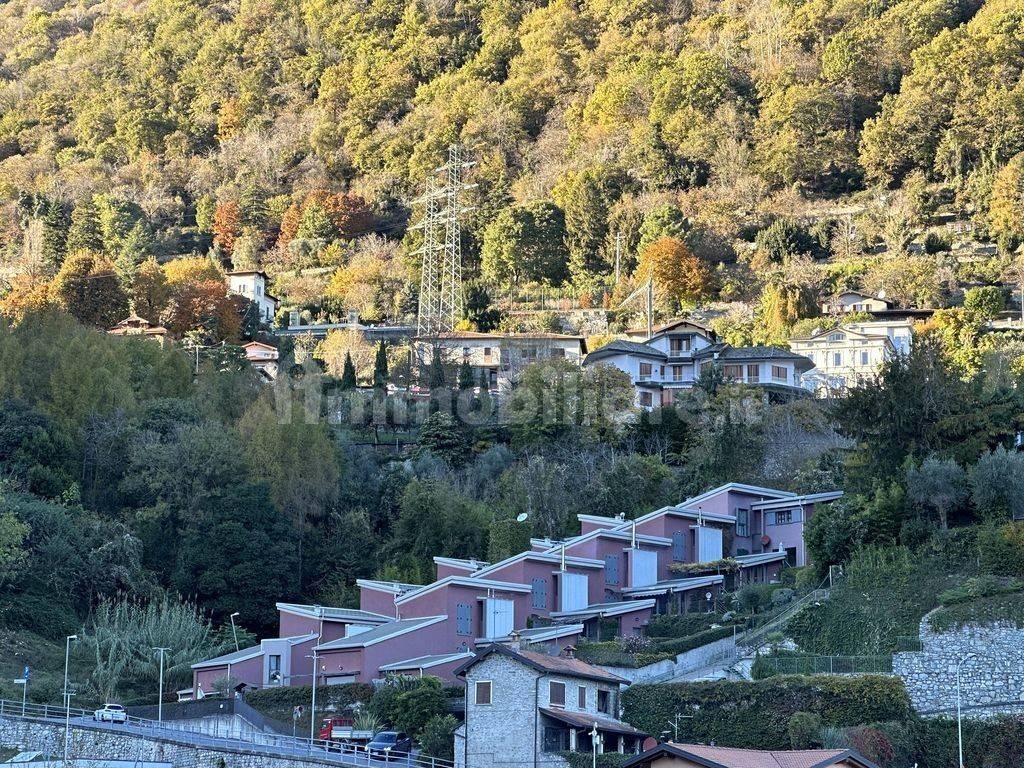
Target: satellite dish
<point>522,517</point>
<point>881,294</point>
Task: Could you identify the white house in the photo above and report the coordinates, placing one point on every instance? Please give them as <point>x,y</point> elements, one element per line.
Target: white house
<point>262,357</point>
<point>252,284</point>
<point>673,357</point>
<point>855,301</point>
<point>501,356</point>
<point>852,353</point>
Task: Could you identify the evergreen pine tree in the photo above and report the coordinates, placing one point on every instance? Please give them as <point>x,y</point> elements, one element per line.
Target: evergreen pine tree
<point>465,376</point>
<point>380,367</point>
<point>85,232</point>
<point>348,373</point>
<point>55,235</point>
<point>436,373</point>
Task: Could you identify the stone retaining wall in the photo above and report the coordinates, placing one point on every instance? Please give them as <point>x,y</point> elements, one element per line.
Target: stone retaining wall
<point>86,742</point>
<point>992,683</point>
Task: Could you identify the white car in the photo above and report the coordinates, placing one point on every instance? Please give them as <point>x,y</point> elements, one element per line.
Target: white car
<point>110,713</point>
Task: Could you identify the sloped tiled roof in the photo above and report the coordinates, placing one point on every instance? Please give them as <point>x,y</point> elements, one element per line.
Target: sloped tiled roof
<point>626,347</point>
<point>730,757</point>
<point>542,662</point>
<point>587,720</point>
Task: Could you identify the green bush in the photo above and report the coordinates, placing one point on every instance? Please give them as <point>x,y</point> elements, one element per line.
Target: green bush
<point>409,704</point>
<point>804,730</point>
<point>936,243</point>
<point>1001,549</point>
<point>980,586</point>
<point>438,737</point>
<point>1000,608</point>
<point>684,644</point>
<point>585,759</point>
<point>757,714</point>
<point>673,625</point>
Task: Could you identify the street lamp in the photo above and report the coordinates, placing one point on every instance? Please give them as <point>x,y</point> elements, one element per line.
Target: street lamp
<point>67,695</point>
<point>160,701</point>
<point>312,707</point>
<point>234,632</point>
<point>593,743</point>
<point>959,718</point>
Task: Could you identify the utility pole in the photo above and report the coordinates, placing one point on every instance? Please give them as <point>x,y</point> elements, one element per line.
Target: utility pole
<point>67,695</point>
<point>618,255</point>
<point>160,700</point>
<point>234,632</point>
<point>650,308</point>
<point>959,717</point>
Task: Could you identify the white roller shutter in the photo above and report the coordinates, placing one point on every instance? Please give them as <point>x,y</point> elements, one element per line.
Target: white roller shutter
<point>572,591</point>
<point>643,568</point>
<point>709,544</point>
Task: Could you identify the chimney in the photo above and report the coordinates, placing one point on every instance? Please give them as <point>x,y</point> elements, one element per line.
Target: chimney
<point>515,643</point>
<point>569,652</point>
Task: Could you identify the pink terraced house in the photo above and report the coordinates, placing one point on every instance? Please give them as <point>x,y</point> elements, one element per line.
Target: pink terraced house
<point>608,579</point>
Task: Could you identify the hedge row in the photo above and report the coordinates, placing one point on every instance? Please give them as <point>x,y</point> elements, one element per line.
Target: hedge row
<point>274,701</point>
<point>585,759</point>
<point>684,644</point>
<point>756,714</point>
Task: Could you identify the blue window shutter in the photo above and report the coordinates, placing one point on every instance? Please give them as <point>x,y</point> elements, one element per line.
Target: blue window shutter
<point>678,547</point>
<point>540,594</point>
<point>463,619</point>
<point>611,569</point>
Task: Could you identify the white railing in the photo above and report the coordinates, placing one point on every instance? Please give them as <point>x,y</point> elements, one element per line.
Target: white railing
<point>319,750</point>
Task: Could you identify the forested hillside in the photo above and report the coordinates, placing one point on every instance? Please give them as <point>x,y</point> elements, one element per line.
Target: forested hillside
<point>280,130</point>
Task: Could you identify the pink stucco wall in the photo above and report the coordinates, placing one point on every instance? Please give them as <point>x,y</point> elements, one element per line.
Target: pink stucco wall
<point>444,601</point>
<point>450,570</point>
<point>291,625</point>
<point>249,672</point>
<point>301,667</point>
<point>435,639</point>
<point>375,601</point>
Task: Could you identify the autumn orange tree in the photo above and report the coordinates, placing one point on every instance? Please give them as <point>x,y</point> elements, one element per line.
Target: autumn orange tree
<point>678,275</point>
<point>227,225</point>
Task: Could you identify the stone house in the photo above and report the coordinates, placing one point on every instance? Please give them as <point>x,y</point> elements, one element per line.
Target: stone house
<point>525,708</point>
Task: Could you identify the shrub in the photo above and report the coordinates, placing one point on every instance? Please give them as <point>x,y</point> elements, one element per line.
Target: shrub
<point>1001,549</point>
<point>936,243</point>
<point>804,730</point>
<point>754,597</point>
<point>604,760</point>
<point>681,624</point>
<point>756,714</point>
<point>438,737</point>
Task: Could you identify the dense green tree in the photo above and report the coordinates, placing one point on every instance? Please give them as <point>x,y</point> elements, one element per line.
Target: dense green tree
<point>380,367</point>
<point>997,484</point>
<point>238,552</point>
<point>85,232</point>
<point>939,484</point>
<point>348,374</point>
<point>88,288</point>
<point>526,243</point>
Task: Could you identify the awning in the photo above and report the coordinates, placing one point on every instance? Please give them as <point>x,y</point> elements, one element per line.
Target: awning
<point>587,721</point>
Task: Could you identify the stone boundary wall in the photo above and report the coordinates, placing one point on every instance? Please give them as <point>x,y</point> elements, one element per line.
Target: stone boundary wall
<point>689,661</point>
<point>86,742</point>
<point>992,683</point>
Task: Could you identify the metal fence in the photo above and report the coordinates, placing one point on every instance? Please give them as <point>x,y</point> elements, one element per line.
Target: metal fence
<point>271,744</point>
<point>830,665</point>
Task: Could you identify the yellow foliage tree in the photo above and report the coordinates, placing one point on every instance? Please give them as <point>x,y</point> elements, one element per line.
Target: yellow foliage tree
<point>679,276</point>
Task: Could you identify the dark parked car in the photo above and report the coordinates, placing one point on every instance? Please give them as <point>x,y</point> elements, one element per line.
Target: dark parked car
<point>387,744</point>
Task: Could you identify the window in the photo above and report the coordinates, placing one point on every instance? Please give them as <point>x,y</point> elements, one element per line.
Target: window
<point>581,697</point>
<point>837,359</point>
<point>679,344</point>
<point>645,371</point>
<point>742,522</point>
<point>836,337</point>
<point>487,351</point>
<point>733,372</point>
<point>864,358</point>
<point>753,373</point>
<point>558,352</point>
<point>678,546</point>
<point>556,739</point>
<point>464,619</point>
<point>677,373</point>
<point>779,373</point>
<point>483,692</point>
<point>646,399</point>
<point>604,702</point>
<point>556,694</point>
<point>611,569</point>
<point>783,517</point>
<point>274,668</point>
<point>540,594</point>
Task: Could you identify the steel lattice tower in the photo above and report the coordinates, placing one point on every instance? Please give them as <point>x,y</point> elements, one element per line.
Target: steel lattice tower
<point>441,299</point>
